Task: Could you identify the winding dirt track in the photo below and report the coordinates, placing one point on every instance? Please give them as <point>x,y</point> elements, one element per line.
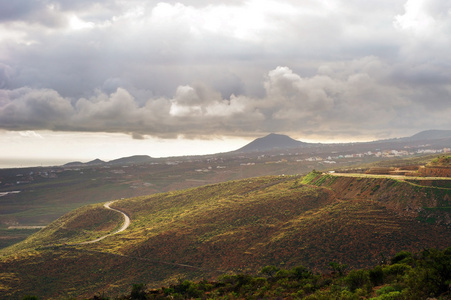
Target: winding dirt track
<point>124,226</point>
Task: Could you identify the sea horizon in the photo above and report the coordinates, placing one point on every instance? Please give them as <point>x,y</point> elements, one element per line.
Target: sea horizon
<point>17,163</point>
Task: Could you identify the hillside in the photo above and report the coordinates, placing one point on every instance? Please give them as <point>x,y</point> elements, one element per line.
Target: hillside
<point>58,190</point>
<point>431,134</point>
<point>423,275</point>
<point>426,199</point>
<point>236,226</point>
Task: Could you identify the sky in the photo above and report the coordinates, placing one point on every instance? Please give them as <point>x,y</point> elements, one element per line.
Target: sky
<point>112,78</point>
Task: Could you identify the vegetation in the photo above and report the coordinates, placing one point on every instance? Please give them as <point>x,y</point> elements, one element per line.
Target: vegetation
<point>83,224</point>
<point>407,276</point>
<point>443,161</point>
<point>427,200</point>
<point>229,228</point>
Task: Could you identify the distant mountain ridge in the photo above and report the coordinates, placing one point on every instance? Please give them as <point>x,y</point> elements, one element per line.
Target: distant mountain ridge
<point>135,159</point>
<point>431,135</point>
<point>278,141</point>
<point>89,163</point>
<point>273,142</point>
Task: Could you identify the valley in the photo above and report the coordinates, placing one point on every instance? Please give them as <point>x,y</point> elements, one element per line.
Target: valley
<point>38,196</point>
<point>234,226</point>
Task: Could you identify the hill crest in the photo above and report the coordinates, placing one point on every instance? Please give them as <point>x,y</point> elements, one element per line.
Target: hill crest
<point>272,142</point>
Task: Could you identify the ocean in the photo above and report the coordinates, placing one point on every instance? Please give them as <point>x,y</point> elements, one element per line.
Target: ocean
<point>7,163</point>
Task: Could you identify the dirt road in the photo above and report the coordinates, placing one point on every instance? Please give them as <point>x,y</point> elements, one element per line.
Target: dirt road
<point>123,227</point>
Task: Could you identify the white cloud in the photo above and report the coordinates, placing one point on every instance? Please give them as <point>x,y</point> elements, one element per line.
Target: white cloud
<point>76,23</point>
<point>424,17</point>
<point>30,133</point>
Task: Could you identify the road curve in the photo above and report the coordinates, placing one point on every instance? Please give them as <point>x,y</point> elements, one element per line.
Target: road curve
<point>123,227</point>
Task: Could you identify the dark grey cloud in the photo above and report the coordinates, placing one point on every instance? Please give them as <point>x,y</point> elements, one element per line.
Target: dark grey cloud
<point>327,103</point>
<point>6,72</point>
<point>34,12</point>
<point>197,68</point>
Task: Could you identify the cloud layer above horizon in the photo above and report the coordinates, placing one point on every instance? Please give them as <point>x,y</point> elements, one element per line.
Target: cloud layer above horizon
<point>232,68</point>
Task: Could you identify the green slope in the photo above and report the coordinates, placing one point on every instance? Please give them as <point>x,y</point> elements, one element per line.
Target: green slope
<point>202,232</point>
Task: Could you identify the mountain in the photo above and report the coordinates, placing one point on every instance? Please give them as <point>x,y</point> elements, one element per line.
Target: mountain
<point>431,135</point>
<point>91,163</point>
<point>95,162</point>
<point>274,142</point>
<point>136,159</point>
<point>235,226</point>
<point>271,142</point>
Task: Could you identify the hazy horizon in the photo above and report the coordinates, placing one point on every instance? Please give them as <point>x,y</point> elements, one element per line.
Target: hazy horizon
<point>116,146</point>
<point>106,147</point>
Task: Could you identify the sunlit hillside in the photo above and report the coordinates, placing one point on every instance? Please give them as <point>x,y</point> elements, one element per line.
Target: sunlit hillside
<point>236,226</point>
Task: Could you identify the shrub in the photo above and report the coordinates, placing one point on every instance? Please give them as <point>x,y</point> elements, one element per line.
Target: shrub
<point>401,257</point>
<point>301,272</point>
<point>337,267</point>
<point>269,271</point>
<point>387,290</point>
<point>395,295</point>
<point>282,274</point>
<point>376,276</point>
<point>356,279</point>
<point>138,292</point>
<point>433,276</point>
<point>396,269</point>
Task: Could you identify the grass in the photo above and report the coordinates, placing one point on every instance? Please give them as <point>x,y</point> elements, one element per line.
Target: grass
<point>14,236</point>
<point>232,226</point>
<point>83,224</point>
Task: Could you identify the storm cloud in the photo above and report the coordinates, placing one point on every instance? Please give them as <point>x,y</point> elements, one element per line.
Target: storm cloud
<point>232,68</point>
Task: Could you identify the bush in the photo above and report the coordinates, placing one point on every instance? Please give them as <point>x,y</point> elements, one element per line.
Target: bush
<point>269,271</point>
<point>387,290</point>
<point>401,257</point>
<point>433,276</point>
<point>301,272</point>
<point>376,276</point>
<point>395,295</point>
<point>138,292</point>
<point>282,274</point>
<point>396,269</point>
<point>337,267</point>
<point>356,279</point>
